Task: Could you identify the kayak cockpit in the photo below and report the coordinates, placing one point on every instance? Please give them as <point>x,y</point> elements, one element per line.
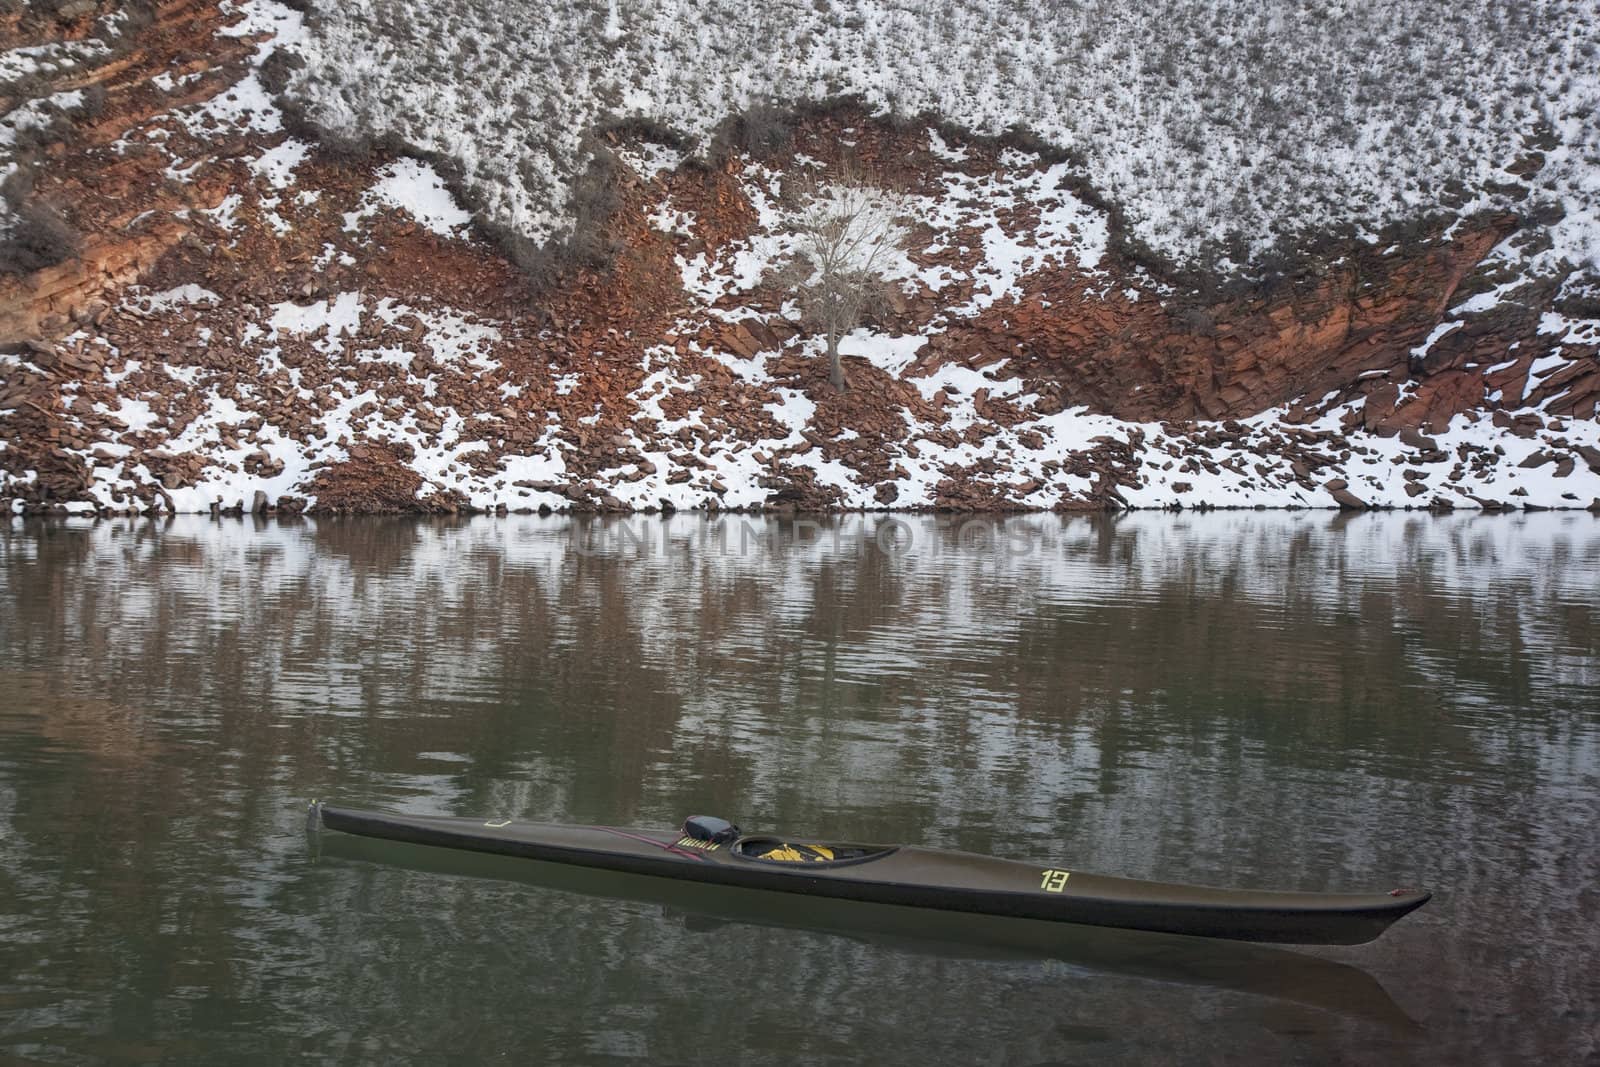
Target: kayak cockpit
<point>711,833</point>
<point>777,850</point>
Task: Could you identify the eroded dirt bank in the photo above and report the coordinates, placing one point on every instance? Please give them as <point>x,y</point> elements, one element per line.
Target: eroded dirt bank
<point>254,322</point>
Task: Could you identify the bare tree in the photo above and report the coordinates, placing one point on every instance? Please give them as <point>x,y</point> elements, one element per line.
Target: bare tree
<point>847,234</point>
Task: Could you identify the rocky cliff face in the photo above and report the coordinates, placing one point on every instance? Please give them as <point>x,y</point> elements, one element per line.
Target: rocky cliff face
<point>253,321</point>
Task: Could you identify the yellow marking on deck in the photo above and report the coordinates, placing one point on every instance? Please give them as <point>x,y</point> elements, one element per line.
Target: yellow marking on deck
<point>1054,880</point>
<point>695,842</point>
<point>497,823</point>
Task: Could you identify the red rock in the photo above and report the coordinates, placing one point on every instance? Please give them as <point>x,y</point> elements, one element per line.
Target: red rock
<point>1413,438</point>
<point>1346,499</point>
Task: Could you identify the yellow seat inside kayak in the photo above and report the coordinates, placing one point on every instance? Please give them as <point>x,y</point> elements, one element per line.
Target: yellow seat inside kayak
<point>777,850</point>
<point>784,852</point>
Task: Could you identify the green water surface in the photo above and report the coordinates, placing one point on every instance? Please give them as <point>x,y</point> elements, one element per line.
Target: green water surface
<point>1274,700</point>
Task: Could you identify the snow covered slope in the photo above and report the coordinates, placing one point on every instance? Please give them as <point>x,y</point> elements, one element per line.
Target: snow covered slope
<point>1219,127</point>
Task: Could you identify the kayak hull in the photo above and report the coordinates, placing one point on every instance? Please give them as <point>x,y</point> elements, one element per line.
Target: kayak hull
<point>917,877</point>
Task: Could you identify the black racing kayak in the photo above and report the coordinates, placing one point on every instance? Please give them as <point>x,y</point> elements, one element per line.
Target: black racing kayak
<point>712,850</point>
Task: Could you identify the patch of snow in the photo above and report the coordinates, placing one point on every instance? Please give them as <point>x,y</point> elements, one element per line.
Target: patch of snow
<point>276,165</point>
<point>892,354</point>
<point>650,159</point>
<point>1438,331</point>
<point>338,314</point>
<point>414,187</point>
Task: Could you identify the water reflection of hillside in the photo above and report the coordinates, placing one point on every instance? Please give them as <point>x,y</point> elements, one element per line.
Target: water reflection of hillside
<point>1116,632</point>
<point>1276,699</point>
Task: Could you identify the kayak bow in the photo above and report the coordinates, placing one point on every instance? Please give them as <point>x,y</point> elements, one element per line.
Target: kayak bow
<point>712,851</point>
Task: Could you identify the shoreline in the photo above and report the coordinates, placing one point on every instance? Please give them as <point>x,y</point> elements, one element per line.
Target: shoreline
<point>67,511</point>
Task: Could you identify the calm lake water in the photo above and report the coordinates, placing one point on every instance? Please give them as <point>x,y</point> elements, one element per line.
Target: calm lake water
<point>1299,701</point>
